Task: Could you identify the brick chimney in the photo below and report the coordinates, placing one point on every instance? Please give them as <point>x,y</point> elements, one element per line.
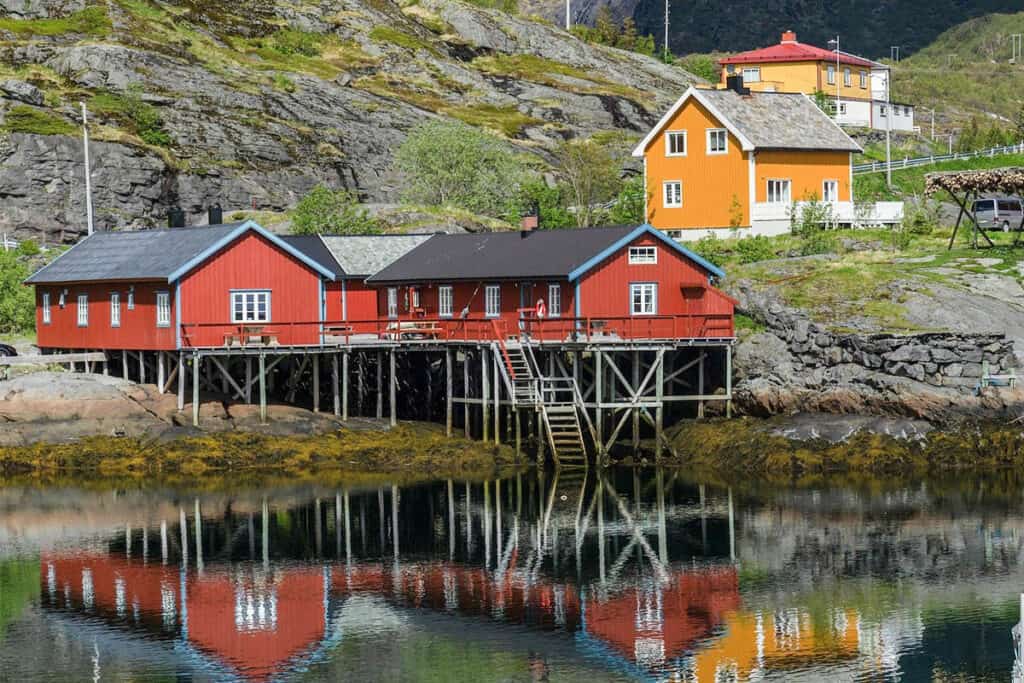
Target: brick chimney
<point>788,37</point>
<point>530,221</point>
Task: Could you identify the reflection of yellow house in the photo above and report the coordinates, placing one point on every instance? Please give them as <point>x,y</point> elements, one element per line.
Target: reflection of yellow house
<point>776,641</point>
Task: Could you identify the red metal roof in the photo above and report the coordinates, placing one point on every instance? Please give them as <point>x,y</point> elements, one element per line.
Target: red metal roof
<point>789,50</point>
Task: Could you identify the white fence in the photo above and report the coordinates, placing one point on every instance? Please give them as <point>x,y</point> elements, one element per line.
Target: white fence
<point>7,244</point>
<point>848,213</point>
<point>879,166</point>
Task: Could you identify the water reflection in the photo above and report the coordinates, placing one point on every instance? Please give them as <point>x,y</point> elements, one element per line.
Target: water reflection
<point>631,575</point>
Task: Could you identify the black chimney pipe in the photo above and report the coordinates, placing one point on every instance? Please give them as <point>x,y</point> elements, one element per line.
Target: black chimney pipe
<point>215,215</point>
<point>735,83</point>
<point>175,217</point>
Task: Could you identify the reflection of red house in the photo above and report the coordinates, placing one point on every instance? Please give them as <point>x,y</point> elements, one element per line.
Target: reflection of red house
<point>649,624</point>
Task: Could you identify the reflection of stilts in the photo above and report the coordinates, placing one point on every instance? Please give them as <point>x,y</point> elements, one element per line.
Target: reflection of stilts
<point>199,537</point>
<point>658,562</point>
<point>265,536</point>
<point>451,520</point>
<point>1018,645</point>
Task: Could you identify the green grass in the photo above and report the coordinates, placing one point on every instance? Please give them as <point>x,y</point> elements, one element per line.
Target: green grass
<point>387,34</point>
<point>25,119</point>
<point>547,72</point>
<point>92,21</point>
<point>910,181</point>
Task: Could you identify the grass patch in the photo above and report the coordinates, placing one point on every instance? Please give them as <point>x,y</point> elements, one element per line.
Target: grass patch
<point>25,119</point>
<point>92,21</point>
<point>744,323</point>
<point>546,72</point>
<point>142,118</point>
<point>910,181</point>
<point>387,34</point>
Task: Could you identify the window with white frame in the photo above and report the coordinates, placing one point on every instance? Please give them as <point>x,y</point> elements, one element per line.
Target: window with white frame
<point>830,191</point>
<point>718,141</point>
<point>863,79</point>
<point>247,306</point>
<point>675,143</point>
<point>260,311</point>
<point>752,74</point>
<point>554,300</point>
<point>83,310</point>
<point>847,77</point>
<point>842,108</point>
<point>392,302</point>
<point>673,194</point>
<point>831,74</point>
<point>492,301</point>
<point>643,297</point>
<point>881,110</point>
<point>131,299</point>
<point>643,255</point>
<point>414,297</point>
<point>62,299</point>
<point>46,308</point>
<point>779,191</point>
<point>445,301</point>
<point>115,309</point>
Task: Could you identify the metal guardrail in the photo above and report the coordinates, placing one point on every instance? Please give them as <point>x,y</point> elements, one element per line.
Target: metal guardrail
<point>879,166</point>
<point>7,244</point>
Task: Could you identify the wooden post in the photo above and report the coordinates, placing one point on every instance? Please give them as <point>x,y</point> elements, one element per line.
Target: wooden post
<point>393,384</point>
<point>360,393</point>
<point>106,363</point>
<point>142,367</point>
<point>124,364</point>
<point>519,431</point>
<point>225,373</point>
<point>380,385</point>
<point>344,386</point>
<point>159,371</point>
<point>448,390</point>
<point>728,381</point>
<point>700,386</point>
<point>248,379</point>
<point>485,393</point>
<point>316,382</point>
<point>598,397</point>
<point>334,384</point>
<point>181,381</point>
<point>196,362</point>
<point>659,415</point>
<point>465,391</point>
<point>636,411</point>
<point>497,399</point>
<point>263,387</point>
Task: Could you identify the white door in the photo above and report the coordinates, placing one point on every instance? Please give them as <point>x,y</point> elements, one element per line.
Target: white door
<point>392,302</point>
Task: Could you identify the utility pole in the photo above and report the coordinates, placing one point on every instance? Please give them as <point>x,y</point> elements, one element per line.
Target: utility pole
<point>88,171</point>
<point>665,49</point>
<point>888,129</point>
<point>568,14</point>
<point>830,42</point>
<point>933,124</point>
<point>1015,47</point>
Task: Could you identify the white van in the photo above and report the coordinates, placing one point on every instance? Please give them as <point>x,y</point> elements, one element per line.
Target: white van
<point>1003,214</point>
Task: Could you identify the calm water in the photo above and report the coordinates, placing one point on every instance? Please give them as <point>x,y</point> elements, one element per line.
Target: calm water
<point>641,575</point>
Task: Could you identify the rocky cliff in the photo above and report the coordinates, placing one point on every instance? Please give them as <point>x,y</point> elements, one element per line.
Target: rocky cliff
<point>252,103</point>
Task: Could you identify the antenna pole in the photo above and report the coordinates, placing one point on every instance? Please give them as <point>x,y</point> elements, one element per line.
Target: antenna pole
<point>88,173</point>
<point>665,48</point>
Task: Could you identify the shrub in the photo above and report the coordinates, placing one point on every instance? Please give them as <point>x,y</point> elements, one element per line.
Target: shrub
<point>591,177</point>
<point>289,41</point>
<point>333,212</point>
<point>921,218</point>
<point>756,248</point>
<point>628,208</point>
<point>711,248</point>
<point>17,302</point>
<point>818,242</point>
<point>550,201</point>
<point>143,117</point>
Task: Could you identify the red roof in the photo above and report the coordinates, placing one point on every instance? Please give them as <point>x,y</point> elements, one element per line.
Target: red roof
<point>789,50</point>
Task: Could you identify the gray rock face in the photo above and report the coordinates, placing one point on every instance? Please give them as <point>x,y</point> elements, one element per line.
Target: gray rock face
<point>22,91</point>
<point>39,9</point>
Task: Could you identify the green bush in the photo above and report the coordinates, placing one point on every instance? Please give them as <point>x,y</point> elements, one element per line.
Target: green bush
<point>289,41</point>
<point>628,208</point>
<point>17,302</point>
<point>24,119</point>
<point>921,218</point>
<point>143,118</point>
<point>332,212</point>
<point>818,242</point>
<point>711,248</point>
<point>753,249</point>
<point>550,201</point>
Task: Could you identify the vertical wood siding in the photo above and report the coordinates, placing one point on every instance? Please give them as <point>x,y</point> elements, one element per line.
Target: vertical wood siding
<point>138,330</point>
<point>806,170</point>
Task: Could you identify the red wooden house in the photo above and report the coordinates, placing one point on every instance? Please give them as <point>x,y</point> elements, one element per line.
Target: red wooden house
<point>619,282</point>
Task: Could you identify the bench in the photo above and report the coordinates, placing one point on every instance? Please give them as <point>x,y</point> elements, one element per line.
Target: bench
<point>412,330</point>
<point>250,334</point>
<point>1005,380</point>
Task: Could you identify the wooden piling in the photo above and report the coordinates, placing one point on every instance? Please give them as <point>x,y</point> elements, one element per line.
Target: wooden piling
<point>728,381</point>
<point>196,362</point>
<point>344,386</point>
<point>142,367</point>
<point>181,381</point>
<point>335,389</point>
<point>263,387</point>
<point>393,384</point>
<point>636,411</point>
<point>497,398</point>
<point>659,415</point>
<point>465,392</point>
<point>160,371</point>
<point>448,403</point>
<point>700,385</point>
<point>124,364</point>
<point>316,383</point>
<point>485,393</point>
<point>248,379</point>
<point>380,385</point>
<point>598,396</point>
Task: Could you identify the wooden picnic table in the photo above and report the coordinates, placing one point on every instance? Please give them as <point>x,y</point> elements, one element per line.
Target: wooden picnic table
<point>412,330</point>
<point>245,333</point>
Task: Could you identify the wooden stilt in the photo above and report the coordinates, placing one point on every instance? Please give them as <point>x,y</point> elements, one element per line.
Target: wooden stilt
<point>181,381</point>
<point>465,392</point>
<point>598,395</point>
<point>700,385</point>
<point>659,415</point>
<point>316,383</point>
<point>106,364</point>
<point>728,381</point>
<point>393,384</point>
<point>485,394</point>
<point>335,388</point>
<point>448,391</point>
<point>142,367</point>
<point>497,399</point>
<point>248,379</point>
<point>225,375</point>
<point>124,364</point>
<point>263,387</point>
<point>360,389</point>
<point>160,371</point>
<point>636,411</point>
<point>519,432</point>
<point>344,386</point>
<point>196,362</point>
<point>380,385</point>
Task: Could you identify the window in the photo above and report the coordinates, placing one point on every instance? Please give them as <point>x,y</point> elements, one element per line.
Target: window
<point>392,302</point>
<point>842,108</point>
<point>554,300</point>
<point>730,69</point>
<point>863,79</point>
<point>492,301</point>
<point>642,255</point>
<point>445,303</point>
<point>831,74</point>
<point>46,308</point>
<point>83,310</point>
<point>881,110</point>
<point>62,300</point>
<point>115,309</point>
<point>247,306</point>
<point>830,191</point>
<point>643,298</point>
<point>847,77</point>
<point>778,192</point>
<point>718,141</point>
<point>675,143</point>
<point>752,74</point>
<point>260,307</point>
<point>673,194</point>
<point>414,296</point>
<point>131,299</point>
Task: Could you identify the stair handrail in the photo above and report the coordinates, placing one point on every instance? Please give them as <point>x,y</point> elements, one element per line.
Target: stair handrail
<point>504,349</point>
<point>531,360</point>
<point>578,401</point>
<point>504,375</point>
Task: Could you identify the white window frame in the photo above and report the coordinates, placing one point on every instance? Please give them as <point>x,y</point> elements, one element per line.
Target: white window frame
<point>830,74</point>
<point>825,193</point>
<point>847,77</point>
<point>492,301</point>
<point>131,300</point>
<point>257,294</point>
<point>445,301</point>
<point>554,300</point>
<point>646,255</point>
<point>712,134</point>
<point>163,308</point>
<point>46,308</point>
<point>82,310</point>
<point>115,309</point>
<point>776,196</point>
<point>651,298</point>
<point>392,295</point>
<point>751,74</point>
<point>842,108</point>
<point>881,110</point>
<point>863,80</point>
<point>672,135</point>
<point>676,200</point>
<point>414,297</point>
<point>62,300</point>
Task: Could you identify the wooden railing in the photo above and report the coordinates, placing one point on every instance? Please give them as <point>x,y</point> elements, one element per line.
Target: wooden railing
<point>586,329</point>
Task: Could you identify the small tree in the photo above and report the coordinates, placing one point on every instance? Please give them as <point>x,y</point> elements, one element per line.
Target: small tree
<point>445,163</point>
<point>629,205</point>
<point>607,31</point>
<point>17,304</point>
<point>332,212</point>
<point>590,175</point>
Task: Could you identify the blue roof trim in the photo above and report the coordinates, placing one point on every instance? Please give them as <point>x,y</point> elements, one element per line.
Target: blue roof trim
<point>642,230</point>
<point>238,232</point>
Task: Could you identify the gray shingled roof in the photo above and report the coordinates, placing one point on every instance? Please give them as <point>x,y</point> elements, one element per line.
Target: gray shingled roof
<point>502,255</point>
<point>313,247</point>
<point>780,121</point>
<point>138,255</point>
<point>363,255</point>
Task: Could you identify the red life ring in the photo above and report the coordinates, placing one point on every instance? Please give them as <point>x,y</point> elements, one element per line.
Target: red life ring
<point>541,310</point>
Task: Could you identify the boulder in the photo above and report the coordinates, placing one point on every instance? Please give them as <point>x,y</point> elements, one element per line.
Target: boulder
<point>22,92</point>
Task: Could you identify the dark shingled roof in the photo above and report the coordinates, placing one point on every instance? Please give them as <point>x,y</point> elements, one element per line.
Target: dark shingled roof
<point>501,255</point>
<point>137,255</point>
<point>314,247</point>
